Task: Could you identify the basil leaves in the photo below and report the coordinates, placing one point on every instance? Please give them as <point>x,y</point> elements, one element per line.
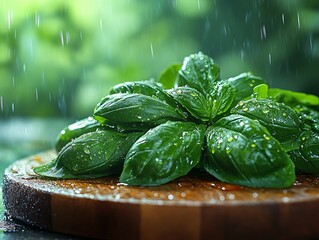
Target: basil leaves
<point>151,132</point>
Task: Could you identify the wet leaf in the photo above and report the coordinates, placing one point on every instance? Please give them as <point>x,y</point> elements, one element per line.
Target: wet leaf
<point>92,155</point>
<point>221,98</point>
<point>244,84</point>
<point>136,110</point>
<point>77,129</point>
<point>164,153</point>
<point>193,101</point>
<point>306,158</point>
<point>281,121</point>
<point>198,71</point>
<point>241,151</point>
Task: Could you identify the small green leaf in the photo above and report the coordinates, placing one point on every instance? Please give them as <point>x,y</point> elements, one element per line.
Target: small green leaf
<point>306,158</point>
<point>241,151</point>
<point>221,98</point>
<point>198,71</point>
<point>244,84</point>
<point>136,110</point>
<point>164,153</point>
<point>281,121</point>
<point>169,76</point>
<point>308,116</point>
<point>91,155</point>
<point>193,101</point>
<point>260,91</point>
<point>77,129</point>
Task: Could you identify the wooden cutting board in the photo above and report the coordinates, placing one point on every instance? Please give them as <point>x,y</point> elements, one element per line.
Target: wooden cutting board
<point>192,207</point>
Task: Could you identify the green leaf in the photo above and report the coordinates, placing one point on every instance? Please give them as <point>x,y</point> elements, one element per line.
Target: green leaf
<point>148,88</point>
<point>91,155</point>
<point>241,151</point>
<point>164,153</point>
<point>221,98</point>
<point>244,84</point>
<point>77,129</point>
<point>306,158</point>
<point>193,101</point>
<point>135,110</point>
<point>308,116</point>
<point>293,98</point>
<point>281,121</point>
<point>198,71</point>
<point>169,76</point>
<point>260,91</point>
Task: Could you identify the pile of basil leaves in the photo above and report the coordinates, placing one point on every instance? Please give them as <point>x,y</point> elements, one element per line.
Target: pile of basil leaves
<point>151,132</point>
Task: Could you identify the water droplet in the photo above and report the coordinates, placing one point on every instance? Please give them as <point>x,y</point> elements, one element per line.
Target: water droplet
<point>228,150</point>
<point>253,145</point>
<point>265,111</point>
<point>266,137</point>
<point>86,149</point>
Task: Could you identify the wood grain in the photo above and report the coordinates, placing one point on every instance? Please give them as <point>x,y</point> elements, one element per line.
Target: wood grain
<point>194,207</point>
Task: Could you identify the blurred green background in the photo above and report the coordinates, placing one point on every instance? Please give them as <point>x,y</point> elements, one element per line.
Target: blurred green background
<point>59,58</point>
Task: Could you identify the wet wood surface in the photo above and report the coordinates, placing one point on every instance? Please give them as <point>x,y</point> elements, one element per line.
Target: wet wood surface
<point>192,207</point>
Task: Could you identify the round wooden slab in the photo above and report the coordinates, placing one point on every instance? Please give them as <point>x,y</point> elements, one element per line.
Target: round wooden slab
<point>192,207</point>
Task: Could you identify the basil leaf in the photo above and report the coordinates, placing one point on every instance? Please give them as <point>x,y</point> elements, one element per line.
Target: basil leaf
<point>77,129</point>
<point>306,158</point>
<point>244,84</point>
<point>198,71</point>
<point>91,155</point>
<point>136,110</point>
<point>293,98</point>
<point>309,116</point>
<point>221,98</point>
<point>260,91</point>
<point>281,121</point>
<point>169,76</point>
<point>193,101</point>
<point>164,153</point>
<point>241,151</point>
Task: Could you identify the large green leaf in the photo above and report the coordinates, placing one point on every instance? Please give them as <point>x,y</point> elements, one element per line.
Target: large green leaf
<point>148,88</point>
<point>198,71</point>
<point>91,155</point>
<point>135,111</point>
<point>281,121</point>
<point>241,151</point>
<point>164,153</point>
